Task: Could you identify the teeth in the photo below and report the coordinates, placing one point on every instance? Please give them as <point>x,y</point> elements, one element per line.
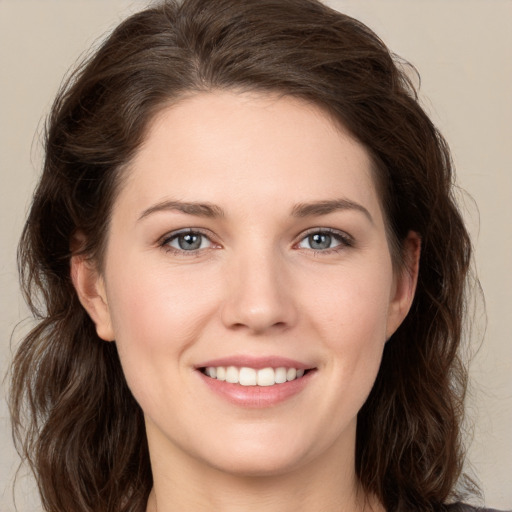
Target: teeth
<point>220,370</point>
<point>247,377</point>
<point>232,374</point>
<point>266,377</point>
<point>291,374</point>
<point>252,377</point>
<point>280,375</point>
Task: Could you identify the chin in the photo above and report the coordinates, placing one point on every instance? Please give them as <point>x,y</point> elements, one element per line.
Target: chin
<point>260,467</point>
<point>259,458</point>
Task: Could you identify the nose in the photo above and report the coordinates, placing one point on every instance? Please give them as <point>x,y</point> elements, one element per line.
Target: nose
<point>259,295</point>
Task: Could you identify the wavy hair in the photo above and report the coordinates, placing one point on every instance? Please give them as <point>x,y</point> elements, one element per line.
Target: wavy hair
<point>74,418</point>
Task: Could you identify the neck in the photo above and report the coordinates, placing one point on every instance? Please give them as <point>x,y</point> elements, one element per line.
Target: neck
<point>326,485</point>
<point>271,494</point>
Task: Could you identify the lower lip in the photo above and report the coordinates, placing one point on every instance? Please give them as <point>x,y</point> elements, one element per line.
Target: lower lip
<point>257,396</point>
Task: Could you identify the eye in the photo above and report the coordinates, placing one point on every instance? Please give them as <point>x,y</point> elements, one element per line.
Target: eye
<point>187,241</point>
<point>325,240</point>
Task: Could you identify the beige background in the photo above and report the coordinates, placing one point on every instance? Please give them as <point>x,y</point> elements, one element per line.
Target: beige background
<point>463,50</point>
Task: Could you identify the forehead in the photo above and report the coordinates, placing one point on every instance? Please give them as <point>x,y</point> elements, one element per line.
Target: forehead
<point>217,146</point>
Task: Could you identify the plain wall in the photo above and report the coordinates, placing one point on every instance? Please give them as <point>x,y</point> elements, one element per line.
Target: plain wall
<point>463,50</point>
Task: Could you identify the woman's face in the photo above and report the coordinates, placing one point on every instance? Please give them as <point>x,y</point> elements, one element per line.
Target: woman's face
<point>248,242</point>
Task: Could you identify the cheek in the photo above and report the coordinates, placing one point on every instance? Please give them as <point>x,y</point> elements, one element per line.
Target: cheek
<point>351,315</point>
<point>156,303</point>
<point>156,314</point>
<point>153,328</point>
<point>354,301</point>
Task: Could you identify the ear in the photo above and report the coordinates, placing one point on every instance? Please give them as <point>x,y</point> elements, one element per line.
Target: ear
<point>405,283</point>
<point>90,288</point>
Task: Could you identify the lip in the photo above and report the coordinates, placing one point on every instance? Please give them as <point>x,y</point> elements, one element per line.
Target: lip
<point>256,397</point>
<point>256,362</point>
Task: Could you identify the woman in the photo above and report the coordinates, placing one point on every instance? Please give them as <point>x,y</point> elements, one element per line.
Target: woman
<point>252,271</point>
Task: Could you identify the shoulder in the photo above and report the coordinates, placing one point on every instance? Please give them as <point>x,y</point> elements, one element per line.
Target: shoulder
<point>461,507</point>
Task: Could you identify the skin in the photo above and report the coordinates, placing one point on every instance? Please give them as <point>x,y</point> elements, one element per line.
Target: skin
<point>255,287</point>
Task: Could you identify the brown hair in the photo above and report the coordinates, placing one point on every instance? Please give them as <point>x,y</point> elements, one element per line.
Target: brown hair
<point>74,417</point>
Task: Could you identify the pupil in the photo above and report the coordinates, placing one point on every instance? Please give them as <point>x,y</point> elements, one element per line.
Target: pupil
<point>189,242</point>
<point>320,241</point>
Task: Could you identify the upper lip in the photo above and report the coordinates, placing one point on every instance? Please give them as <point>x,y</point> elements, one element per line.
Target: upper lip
<point>257,363</point>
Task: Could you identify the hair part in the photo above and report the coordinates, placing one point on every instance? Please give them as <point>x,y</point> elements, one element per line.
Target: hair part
<point>74,418</point>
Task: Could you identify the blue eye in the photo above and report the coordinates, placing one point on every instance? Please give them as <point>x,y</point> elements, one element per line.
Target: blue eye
<point>323,240</point>
<point>188,241</point>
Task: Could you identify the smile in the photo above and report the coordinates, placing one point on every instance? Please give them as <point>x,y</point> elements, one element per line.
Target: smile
<point>256,382</point>
<point>246,376</point>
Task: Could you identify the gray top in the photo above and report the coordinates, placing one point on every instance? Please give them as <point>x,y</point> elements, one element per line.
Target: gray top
<point>461,507</point>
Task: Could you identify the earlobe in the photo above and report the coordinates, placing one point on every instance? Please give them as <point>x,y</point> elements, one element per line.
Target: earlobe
<point>90,288</point>
<point>405,283</point>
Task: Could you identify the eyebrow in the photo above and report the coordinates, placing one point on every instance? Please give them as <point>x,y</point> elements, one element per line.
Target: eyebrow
<point>210,210</point>
<point>325,207</point>
<point>190,208</point>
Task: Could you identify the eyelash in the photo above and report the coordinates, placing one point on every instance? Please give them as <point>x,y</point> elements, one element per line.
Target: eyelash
<point>344,239</point>
<point>170,237</point>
